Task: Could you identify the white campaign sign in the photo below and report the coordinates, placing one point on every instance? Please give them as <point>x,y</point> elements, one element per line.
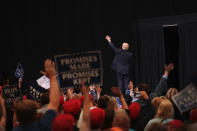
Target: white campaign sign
<point>44,82</point>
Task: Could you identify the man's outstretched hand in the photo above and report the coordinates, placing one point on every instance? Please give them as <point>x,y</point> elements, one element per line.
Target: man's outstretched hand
<point>49,68</point>
<point>169,67</point>
<point>108,38</point>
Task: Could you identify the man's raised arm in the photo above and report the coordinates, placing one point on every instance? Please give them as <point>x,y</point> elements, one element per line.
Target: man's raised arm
<point>108,38</point>
<point>54,93</point>
<point>86,122</point>
<point>162,86</point>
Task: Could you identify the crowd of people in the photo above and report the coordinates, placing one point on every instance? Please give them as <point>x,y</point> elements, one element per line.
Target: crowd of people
<point>85,109</point>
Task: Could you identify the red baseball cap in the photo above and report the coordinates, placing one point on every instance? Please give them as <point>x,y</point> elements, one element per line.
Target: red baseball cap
<point>63,122</point>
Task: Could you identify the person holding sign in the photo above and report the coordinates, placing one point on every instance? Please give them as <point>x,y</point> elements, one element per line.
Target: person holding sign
<point>121,64</point>
<point>25,111</point>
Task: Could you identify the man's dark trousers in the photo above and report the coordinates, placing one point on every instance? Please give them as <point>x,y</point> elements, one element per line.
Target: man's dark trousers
<point>123,82</point>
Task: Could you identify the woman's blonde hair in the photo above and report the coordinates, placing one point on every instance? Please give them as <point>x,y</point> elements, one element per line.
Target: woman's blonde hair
<point>156,101</point>
<point>165,110</point>
<point>113,103</point>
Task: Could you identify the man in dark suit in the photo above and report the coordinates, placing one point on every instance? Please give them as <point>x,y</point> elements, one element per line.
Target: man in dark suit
<point>121,64</point>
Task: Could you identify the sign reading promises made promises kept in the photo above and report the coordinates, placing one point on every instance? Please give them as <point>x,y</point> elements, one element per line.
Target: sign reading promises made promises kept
<point>186,99</point>
<point>73,68</point>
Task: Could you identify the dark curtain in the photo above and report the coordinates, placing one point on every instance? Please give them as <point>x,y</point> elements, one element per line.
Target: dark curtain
<point>33,30</point>
<point>150,55</point>
<point>188,52</point>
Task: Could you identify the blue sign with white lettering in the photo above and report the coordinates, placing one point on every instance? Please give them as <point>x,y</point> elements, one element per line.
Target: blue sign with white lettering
<point>19,73</point>
<point>186,99</point>
<point>73,68</point>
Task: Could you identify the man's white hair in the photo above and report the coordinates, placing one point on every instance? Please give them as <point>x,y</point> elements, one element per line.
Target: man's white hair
<point>125,46</point>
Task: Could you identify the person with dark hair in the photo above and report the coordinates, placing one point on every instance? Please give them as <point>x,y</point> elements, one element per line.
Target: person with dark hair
<point>122,64</point>
<point>26,110</point>
<point>105,103</point>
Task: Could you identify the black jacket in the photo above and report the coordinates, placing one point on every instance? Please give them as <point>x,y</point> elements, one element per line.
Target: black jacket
<point>122,61</point>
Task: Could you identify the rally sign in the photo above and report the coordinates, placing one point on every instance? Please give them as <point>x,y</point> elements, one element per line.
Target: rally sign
<point>11,94</point>
<point>44,82</point>
<point>35,91</point>
<point>186,99</point>
<point>73,68</point>
<point>19,73</point>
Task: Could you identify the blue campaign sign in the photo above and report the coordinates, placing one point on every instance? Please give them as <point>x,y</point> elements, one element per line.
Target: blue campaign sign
<point>35,91</point>
<point>19,73</point>
<point>11,94</point>
<point>186,99</point>
<point>119,103</point>
<point>73,68</point>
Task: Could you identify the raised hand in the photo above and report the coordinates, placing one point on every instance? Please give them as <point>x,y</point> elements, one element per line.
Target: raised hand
<point>98,89</point>
<point>19,82</point>
<point>3,112</point>
<point>171,92</point>
<point>108,38</point>
<point>169,67</point>
<point>144,95</point>
<point>116,91</point>
<point>85,89</point>
<point>2,101</point>
<point>85,124</point>
<point>54,93</point>
<point>130,86</point>
<point>49,67</point>
<point>43,73</point>
<point>70,93</point>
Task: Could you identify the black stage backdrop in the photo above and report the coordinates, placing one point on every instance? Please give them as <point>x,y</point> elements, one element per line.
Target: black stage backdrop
<point>33,30</point>
<point>188,54</point>
<point>150,55</point>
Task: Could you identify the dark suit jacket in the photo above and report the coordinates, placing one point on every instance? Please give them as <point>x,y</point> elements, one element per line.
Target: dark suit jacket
<point>122,61</point>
